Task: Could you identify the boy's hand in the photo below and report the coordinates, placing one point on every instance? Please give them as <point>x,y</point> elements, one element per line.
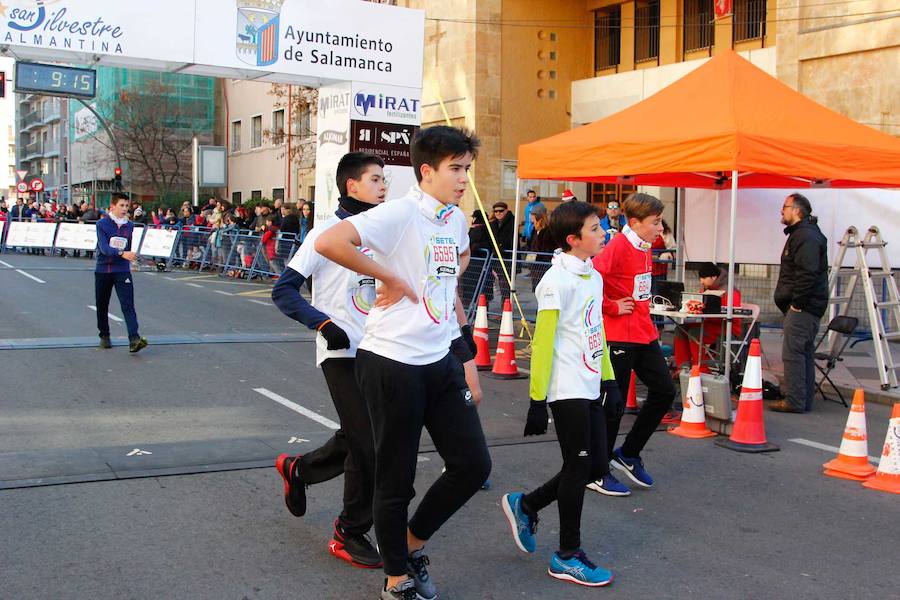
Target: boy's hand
<point>625,305</point>
<point>469,338</point>
<point>392,291</point>
<point>610,394</point>
<point>536,424</point>
<point>335,336</point>
<point>129,255</point>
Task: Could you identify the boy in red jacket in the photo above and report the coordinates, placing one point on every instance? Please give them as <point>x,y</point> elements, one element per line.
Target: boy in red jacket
<point>626,266</point>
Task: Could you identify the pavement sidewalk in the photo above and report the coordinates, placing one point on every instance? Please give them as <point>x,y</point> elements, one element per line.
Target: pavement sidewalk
<point>858,369</point>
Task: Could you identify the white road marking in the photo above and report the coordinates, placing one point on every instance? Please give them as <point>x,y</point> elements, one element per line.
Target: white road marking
<point>111,316</point>
<point>30,276</point>
<point>826,447</point>
<point>224,293</point>
<point>260,302</point>
<point>172,278</point>
<point>297,408</point>
<point>138,452</point>
<point>196,285</point>
<point>6,264</point>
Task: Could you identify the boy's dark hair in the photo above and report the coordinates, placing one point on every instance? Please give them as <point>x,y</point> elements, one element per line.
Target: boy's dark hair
<point>568,219</point>
<point>117,196</point>
<point>640,206</point>
<point>352,166</point>
<point>432,145</point>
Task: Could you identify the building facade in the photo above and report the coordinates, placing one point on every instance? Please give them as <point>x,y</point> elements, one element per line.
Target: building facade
<point>153,117</point>
<point>269,130</point>
<point>8,129</point>
<point>42,143</point>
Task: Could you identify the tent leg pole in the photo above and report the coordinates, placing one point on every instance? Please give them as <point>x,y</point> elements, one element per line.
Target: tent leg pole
<point>515,247</point>
<point>679,234</point>
<point>715,246</point>
<point>730,293</point>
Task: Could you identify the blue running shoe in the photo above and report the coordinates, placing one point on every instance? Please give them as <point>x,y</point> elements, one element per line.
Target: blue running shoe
<point>523,526</point>
<point>632,467</point>
<point>579,569</point>
<point>609,486</point>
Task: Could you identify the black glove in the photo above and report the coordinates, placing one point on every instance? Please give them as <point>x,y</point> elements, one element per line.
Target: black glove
<point>536,424</point>
<point>335,336</point>
<point>466,332</point>
<point>610,394</point>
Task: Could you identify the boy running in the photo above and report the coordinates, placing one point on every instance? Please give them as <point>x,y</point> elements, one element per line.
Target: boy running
<point>113,270</point>
<point>341,301</point>
<point>404,366</point>
<point>626,266</point>
<point>569,366</point>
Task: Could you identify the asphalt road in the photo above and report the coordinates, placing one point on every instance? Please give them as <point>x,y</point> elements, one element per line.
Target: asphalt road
<point>149,476</point>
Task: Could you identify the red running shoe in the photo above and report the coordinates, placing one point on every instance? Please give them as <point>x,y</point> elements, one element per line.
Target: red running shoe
<point>294,489</point>
<point>355,549</point>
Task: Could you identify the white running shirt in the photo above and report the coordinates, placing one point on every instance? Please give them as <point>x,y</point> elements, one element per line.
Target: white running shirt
<point>575,289</point>
<point>346,297</point>
<point>420,240</point>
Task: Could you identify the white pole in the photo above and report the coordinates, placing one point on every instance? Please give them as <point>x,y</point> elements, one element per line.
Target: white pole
<point>715,247</point>
<point>70,199</point>
<point>195,175</point>
<point>515,248</point>
<point>730,294</point>
<point>679,233</point>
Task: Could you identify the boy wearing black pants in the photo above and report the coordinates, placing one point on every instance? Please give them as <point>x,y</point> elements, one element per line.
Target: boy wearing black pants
<point>341,301</point>
<point>569,366</point>
<point>404,367</point>
<point>113,270</point>
<point>626,266</point>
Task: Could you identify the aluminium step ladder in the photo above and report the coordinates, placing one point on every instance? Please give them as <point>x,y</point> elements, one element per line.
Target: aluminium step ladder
<point>883,310</point>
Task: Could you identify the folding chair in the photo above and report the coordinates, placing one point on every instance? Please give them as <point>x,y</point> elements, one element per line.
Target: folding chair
<point>844,327</point>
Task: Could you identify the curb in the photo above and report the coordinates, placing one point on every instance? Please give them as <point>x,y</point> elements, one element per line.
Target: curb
<point>885,398</point>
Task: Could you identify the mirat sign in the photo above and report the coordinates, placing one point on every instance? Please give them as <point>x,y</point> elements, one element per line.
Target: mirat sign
<point>298,41</point>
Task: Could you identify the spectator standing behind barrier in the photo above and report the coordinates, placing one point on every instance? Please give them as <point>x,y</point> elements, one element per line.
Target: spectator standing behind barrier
<point>270,243</point>
<point>113,270</point>
<point>542,244</point>
<point>17,212</point>
<point>614,221</point>
<point>802,295</point>
<point>481,249</point>
<point>533,203</point>
<point>307,220</point>
<point>504,226</point>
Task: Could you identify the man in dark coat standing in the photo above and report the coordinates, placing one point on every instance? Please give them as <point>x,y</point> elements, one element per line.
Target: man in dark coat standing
<point>802,295</point>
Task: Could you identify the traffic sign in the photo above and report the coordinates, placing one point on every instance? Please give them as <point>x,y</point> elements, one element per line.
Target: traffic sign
<point>22,187</point>
<point>37,184</point>
<point>21,174</point>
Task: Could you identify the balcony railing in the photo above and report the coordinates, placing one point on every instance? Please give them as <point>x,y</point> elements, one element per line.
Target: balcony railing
<point>33,149</point>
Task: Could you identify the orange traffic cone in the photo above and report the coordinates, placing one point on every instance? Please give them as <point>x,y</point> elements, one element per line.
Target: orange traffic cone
<point>505,359</point>
<point>483,356</point>
<point>749,432</point>
<point>693,419</point>
<point>887,478</point>
<point>852,461</point>
<point>631,405</point>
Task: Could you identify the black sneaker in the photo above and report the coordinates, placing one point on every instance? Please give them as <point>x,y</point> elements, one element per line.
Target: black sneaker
<point>405,590</point>
<point>136,344</point>
<point>355,549</point>
<point>294,490</point>
<point>105,342</point>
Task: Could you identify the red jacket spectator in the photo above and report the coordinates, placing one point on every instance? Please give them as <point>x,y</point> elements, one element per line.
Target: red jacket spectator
<point>269,240</point>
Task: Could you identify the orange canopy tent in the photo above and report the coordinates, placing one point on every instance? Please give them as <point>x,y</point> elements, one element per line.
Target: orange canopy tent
<point>725,124</point>
<point>727,115</point>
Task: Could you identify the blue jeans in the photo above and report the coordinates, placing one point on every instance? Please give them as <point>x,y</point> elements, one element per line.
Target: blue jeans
<point>103,287</point>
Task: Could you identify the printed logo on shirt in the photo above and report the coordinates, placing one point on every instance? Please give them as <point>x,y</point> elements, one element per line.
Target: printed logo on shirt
<point>592,336</point>
<point>362,296</point>
<point>442,213</point>
<point>582,454</point>
<point>468,399</point>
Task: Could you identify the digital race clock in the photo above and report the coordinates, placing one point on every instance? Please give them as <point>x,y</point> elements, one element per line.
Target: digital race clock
<point>55,80</point>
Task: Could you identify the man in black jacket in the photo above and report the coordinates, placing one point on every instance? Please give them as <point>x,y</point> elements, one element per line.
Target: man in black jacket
<point>504,225</point>
<point>802,295</point>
